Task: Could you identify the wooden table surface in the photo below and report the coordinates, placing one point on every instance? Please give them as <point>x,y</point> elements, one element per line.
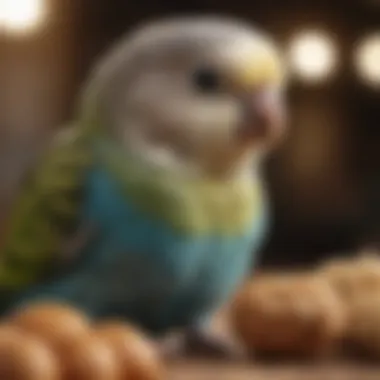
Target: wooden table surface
<point>202,370</point>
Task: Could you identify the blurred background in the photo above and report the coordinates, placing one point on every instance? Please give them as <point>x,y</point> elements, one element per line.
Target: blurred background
<point>324,180</point>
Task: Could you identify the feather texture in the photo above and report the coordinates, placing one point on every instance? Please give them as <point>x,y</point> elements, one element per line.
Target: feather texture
<point>45,212</point>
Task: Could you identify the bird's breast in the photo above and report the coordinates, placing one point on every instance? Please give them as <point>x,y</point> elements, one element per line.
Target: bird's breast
<point>168,221</point>
<point>187,206</point>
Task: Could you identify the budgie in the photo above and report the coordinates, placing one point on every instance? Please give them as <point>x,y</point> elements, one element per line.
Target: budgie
<point>151,205</point>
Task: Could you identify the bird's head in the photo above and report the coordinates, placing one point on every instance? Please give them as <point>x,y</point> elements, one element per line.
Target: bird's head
<point>203,96</point>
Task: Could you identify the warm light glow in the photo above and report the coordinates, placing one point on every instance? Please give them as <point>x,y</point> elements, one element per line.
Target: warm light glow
<point>313,56</point>
<point>20,16</point>
<point>367,59</point>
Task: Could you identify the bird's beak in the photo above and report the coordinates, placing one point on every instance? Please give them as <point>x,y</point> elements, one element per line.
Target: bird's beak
<point>259,84</point>
<point>264,116</point>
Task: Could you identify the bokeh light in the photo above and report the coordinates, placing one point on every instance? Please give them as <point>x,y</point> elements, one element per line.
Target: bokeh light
<point>367,59</point>
<point>313,56</point>
<point>21,16</point>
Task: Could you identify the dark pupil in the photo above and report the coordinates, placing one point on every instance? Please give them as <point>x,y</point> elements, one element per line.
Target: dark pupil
<point>206,80</point>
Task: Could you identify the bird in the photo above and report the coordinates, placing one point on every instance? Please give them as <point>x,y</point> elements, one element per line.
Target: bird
<point>151,204</point>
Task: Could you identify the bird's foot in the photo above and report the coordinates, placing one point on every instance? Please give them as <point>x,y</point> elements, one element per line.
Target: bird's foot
<point>205,343</point>
<point>171,347</point>
<point>199,343</point>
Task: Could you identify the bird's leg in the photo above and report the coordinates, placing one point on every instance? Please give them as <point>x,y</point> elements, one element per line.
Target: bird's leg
<point>203,342</point>
<point>199,342</point>
<point>172,346</point>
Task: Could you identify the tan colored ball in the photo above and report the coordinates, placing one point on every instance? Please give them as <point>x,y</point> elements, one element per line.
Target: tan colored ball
<point>139,358</point>
<point>354,278</point>
<point>288,314</point>
<point>89,358</point>
<point>24,357</point>
<point>363,333</point>
<point>56,324</point>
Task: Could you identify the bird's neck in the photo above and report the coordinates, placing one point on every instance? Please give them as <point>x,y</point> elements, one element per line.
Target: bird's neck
<point>124,163</point>
<point>201,205</point>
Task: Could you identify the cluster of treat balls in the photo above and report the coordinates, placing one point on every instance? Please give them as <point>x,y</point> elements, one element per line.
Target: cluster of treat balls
<point>55,342</point>
<point>333,310</point>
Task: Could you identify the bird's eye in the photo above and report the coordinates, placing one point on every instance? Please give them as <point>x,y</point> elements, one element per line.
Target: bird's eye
<point>206,80</point>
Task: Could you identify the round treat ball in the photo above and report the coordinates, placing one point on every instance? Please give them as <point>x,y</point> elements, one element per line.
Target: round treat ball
<point>363,333</point>
<point>139,358</point>
<point>57,324</point>
<point>288,314</point>
<point>89,358</point>
<point>354,278</point>
<point>23,357</point>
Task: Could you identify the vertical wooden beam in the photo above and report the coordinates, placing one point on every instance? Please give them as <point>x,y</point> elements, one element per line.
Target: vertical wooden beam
<point>37,74</point>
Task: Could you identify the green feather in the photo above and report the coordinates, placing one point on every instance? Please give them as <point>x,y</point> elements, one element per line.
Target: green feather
<point>46,206</point>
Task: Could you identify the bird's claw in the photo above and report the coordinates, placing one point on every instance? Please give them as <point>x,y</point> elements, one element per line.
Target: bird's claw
<point>197,343</point>
<point>208,344</point>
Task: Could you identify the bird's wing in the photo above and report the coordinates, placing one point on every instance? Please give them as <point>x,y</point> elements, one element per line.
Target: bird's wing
<point>44,215</point>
